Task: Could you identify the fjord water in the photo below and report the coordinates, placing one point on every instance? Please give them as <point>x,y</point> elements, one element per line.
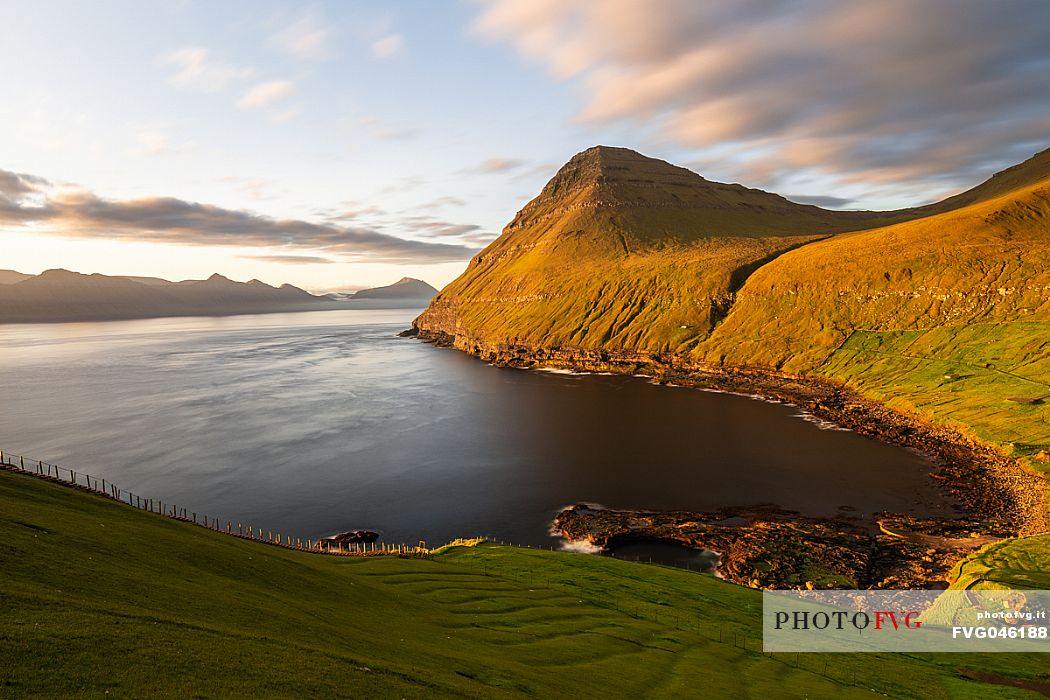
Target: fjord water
<point>314,423</point>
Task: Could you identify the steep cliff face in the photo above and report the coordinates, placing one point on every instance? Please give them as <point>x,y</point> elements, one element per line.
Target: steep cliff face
<point>621,252</point>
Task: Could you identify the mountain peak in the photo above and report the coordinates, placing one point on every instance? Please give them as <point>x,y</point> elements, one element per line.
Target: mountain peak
<point>608,154</point>
<point>404,288</point>
<point>607,178</point>
<point>610,164</point>
<point>58,272</point>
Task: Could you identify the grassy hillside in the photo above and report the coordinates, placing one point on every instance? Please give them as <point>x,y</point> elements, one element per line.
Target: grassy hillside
<point>1018,564</point>
<point>624,252</point>
<point>947,317</point>
<point>986,263</point>
<point>99,598</point>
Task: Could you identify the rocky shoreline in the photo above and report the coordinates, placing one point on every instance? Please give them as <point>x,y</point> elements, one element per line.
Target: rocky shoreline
<point>1000,497</point>
<point>768,547</point>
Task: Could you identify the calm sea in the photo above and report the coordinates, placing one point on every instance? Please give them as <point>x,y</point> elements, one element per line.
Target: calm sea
<point>314,423</point>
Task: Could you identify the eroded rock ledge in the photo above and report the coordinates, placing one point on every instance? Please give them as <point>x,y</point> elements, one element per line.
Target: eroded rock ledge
<point>768,547</point>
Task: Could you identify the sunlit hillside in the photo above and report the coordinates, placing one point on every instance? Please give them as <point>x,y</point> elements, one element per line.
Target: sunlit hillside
<point>624,252</point>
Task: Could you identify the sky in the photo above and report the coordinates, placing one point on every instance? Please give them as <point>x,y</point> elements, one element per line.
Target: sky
<point>340,145</point>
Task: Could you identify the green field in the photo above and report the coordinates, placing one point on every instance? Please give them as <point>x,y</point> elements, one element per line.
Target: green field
<point>962,376</point>
<point>1018,564</point>
<point>97,598</point>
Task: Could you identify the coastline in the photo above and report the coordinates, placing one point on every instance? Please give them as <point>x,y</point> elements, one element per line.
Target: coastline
<point>999,493</point>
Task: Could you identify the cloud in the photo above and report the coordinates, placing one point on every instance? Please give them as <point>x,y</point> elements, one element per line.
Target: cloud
<point>198,70</point>
<point>884,91</point>
<point>436,228</point>
<point>266,93</point>
<point>79,213</point>
<point>479,239</point>
<point>388,47</point>
<point>290,259</point>
<point>447,201</point>
<point>308,37</point>
<point>14,186</point>
<point>820,200</point>
<point>498,165</point>
<point>356,212</point>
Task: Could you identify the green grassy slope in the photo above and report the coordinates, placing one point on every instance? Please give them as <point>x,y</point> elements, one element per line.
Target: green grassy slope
<point>986,263</point>
<point>624,252</point>
<point>947,317</point>
<point>97,598</point>
<point>1017,564</point>
<point>621,252</point>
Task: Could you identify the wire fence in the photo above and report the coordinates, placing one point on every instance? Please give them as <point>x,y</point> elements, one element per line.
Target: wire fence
<point>246,531</point>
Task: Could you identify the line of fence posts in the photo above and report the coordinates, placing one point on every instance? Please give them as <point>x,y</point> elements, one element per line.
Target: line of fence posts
<point>325,546</point>
<point>106,488</point>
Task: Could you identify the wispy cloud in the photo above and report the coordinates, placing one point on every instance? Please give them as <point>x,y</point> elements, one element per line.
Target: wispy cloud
<point>197,69</point>
<point>388,47</point>
<point>446,201</point>
<point>290,259</point>
<point>497,165</point>
<point>15,186</point>
<point>435,227</point>
<point>308,37</point>
<point>825,201</point>
<point>79,213</point>
<point>881,91</point>
<point>267,93</point>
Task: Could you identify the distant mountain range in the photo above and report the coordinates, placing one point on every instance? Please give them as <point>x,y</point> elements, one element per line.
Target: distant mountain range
<point>404,288</point>
<point>407,291</point>
<point>61,295</point>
